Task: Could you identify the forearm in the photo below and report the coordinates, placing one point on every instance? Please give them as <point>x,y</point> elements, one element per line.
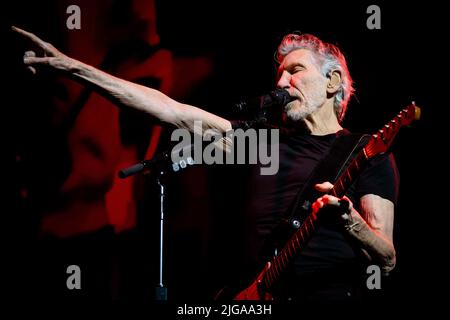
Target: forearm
<point>124,93</point>
<point>373,242</point>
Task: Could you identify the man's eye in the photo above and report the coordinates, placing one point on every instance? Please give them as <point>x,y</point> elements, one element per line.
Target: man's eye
<point>298,69</point>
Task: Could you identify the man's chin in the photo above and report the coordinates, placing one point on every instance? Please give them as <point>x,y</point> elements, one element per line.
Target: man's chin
<point>293,115</point>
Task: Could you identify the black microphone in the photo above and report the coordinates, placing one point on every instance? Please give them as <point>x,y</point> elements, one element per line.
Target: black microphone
<point>253,106</point>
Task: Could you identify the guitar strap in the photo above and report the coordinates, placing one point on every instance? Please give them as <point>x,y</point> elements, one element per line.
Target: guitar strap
<point>343,150</point>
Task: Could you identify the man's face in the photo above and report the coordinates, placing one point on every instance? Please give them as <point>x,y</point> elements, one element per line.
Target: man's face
<point>299,74</point>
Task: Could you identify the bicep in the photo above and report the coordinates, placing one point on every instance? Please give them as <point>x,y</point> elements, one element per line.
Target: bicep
<point>378,213</point>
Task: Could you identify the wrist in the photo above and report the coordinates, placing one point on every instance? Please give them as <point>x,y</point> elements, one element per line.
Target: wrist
<point>73,66</point>
<point>352,221</point>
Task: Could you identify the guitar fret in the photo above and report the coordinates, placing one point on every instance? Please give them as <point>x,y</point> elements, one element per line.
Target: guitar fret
<point>285,260</point>
<point>311,225</point>
<point>280,262</point>
<point>296,239</point>
<point>285,250</point>
<point>288,248</point>
<point>356,163</point>
<point>349,177</point>
<point>275,267</point>
<point>301,240</point>
<point>310,222</point>
<point>294,249</point>
<point>301,234</point>
<point>287,255</point>
<point>306,228</point>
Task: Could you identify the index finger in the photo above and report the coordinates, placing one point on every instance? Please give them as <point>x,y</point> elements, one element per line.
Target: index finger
<point>41,43</point>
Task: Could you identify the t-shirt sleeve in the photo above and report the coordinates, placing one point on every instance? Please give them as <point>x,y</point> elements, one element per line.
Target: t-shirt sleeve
<point>380,177</point>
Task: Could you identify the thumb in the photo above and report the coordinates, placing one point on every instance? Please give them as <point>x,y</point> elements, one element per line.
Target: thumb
<point>324,186</point>
<point>29,54</point>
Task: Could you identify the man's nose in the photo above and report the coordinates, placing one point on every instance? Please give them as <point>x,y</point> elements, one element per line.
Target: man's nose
<point>284,80</point>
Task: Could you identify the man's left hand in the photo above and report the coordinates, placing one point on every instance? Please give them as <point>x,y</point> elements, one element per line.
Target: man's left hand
<point>329,200</point>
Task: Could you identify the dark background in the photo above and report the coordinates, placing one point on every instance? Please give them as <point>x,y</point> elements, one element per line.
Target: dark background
<point>391,67</point>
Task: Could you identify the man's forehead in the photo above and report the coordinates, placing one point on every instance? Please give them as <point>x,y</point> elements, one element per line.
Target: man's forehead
<point>303,56</point>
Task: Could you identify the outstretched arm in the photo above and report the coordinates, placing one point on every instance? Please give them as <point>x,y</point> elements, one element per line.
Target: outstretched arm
<point>121,92</point>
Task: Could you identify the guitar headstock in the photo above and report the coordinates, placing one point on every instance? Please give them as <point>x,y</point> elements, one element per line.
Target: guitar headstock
<point>382,140</point>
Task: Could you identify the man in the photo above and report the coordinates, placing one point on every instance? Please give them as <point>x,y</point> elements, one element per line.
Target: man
<point>316,76</point>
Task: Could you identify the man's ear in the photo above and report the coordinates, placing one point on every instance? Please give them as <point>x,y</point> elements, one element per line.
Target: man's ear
<point>334,81</point>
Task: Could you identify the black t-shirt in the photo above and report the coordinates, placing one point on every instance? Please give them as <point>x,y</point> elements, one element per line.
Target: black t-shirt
<point>328,251</point>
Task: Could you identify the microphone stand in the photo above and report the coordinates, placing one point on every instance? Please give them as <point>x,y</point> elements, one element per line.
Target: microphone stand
<point>163,164</point>
<point>161,289</point>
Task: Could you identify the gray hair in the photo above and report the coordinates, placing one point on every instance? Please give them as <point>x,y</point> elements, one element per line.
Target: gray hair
<point>328,57</point>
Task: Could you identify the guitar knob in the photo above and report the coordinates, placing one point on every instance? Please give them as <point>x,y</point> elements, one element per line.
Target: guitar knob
<point>295,224</point>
